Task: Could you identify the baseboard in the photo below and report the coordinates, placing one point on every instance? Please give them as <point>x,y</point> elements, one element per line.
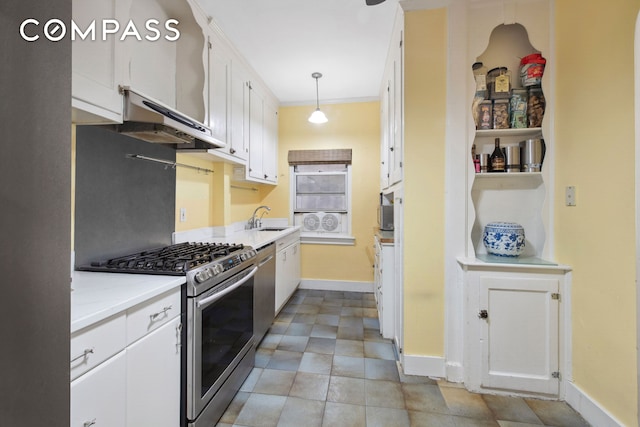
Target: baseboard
<point>427,366</point>
<point>590,410</point>
<point>336,285</point>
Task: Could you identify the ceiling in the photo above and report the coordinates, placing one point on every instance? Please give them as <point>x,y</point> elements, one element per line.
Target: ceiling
<point>285,41</point>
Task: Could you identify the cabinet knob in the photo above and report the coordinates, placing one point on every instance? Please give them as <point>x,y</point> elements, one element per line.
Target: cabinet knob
<point>232,151</point>
<point>483,314</point>
<point>89,423</point>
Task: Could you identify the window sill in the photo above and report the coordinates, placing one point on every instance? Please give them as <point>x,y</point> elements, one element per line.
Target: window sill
<point>336,239</point>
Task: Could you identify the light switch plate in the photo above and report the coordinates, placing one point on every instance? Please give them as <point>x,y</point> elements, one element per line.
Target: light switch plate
<point>570,196</point>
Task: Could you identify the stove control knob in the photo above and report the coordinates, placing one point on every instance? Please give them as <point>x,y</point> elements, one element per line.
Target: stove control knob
<point>243,257</point>
<point>217,269</point>
<point>203,275</point>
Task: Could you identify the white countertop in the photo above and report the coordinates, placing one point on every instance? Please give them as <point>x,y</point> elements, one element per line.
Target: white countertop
<point>255,238</point>
<point>96,296</point>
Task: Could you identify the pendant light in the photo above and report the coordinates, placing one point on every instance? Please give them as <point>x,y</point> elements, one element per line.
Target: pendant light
<point>317,116</point>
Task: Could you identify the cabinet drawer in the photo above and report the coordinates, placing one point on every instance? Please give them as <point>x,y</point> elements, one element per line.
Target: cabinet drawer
<point>288,240</point>
<point>96,343</point>
<point>152,314</point>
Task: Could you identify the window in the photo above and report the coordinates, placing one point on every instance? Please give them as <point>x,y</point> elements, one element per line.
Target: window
<point>321,195</point>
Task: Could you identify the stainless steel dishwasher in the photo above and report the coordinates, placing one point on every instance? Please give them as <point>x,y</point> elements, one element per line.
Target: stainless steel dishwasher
<point>264,295</point>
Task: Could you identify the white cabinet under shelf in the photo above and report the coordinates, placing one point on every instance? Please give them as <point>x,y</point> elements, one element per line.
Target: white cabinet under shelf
<point>515,327</point>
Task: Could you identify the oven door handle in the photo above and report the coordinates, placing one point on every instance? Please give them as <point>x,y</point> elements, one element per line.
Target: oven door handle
<point>213,298</point>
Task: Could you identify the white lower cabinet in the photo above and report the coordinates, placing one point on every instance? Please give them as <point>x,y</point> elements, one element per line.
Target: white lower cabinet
<point>384,286</point>
<point>153,378</point>
<point>125,370</point>
<point>287,268</point>
<point>99,396</point>
<point>514,330</point>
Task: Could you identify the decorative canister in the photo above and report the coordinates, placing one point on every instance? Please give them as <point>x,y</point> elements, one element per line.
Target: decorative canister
<point>531,69</point>
<point>504,238</point>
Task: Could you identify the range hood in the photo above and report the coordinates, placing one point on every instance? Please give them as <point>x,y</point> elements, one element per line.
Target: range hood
<point>152,121</point>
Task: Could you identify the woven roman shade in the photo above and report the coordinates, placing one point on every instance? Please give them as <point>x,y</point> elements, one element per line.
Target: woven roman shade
<point>314,157</point>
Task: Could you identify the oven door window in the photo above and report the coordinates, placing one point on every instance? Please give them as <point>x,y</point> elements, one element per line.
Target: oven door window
<point>227,327</point>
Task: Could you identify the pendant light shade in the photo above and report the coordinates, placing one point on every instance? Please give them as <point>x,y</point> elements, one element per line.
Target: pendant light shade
<point>317,116</point>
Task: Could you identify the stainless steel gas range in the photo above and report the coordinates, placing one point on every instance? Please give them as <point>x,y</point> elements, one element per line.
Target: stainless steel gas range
<point>217,307</point>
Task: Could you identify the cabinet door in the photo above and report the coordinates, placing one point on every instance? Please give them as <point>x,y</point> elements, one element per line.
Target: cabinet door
<point>287,273</point>
<point>396,112</point>
<point>219,70</point>
<point>519,335</point>
<point>97,65</point>
<point>377,280</point>
<point>153,378</point>
<point>239,120</point>
<point>270,143</point>
<point>385,124</point>
<point>256,137</point>
<point>99,396</point>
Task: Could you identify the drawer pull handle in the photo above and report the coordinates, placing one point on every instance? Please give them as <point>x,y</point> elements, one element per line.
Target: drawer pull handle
<point>162,312</point>
<point>85,353</point>
<point>89,423</point>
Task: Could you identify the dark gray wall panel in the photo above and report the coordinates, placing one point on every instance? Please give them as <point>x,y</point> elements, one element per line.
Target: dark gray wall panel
<point>123,205</point>
<point>35,219</point>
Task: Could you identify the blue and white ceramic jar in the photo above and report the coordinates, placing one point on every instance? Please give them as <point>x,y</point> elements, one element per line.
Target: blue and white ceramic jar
<point>504,238</point>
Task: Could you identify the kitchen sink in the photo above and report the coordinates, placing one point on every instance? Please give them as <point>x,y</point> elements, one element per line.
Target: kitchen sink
<point>273,228</point>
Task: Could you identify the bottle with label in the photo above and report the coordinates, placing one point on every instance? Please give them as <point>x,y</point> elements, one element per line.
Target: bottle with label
<point>497,158</point>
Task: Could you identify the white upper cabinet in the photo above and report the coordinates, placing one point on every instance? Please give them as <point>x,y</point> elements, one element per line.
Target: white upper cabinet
<point>392,110</point>
<point>218,90</point>
<point>239,105</point>
<point>98,65</point>
<point>270,142</point>
<point>154,46</point>
<point>170,71</point>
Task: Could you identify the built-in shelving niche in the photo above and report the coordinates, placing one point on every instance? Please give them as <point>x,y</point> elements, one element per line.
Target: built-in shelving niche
<point>513,197</point>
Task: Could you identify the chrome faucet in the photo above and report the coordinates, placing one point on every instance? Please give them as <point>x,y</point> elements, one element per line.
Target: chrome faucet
<point>255,222</point>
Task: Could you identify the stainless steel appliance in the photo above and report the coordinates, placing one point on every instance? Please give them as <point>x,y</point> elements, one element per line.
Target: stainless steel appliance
<point>264,292</point>
<point>152,121</point>
<point>385,212</point>
<point>218,320</point>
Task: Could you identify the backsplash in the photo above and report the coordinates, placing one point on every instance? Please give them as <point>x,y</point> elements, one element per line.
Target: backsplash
<point>123,205</point>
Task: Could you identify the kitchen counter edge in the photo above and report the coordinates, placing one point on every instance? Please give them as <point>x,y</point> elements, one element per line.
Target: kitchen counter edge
<point>98,296</point>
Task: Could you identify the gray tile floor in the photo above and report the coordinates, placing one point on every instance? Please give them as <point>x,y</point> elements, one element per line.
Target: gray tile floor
<point>324,364</point>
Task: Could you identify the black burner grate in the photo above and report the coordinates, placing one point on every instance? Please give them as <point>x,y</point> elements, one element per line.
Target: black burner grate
<point>175,259</point>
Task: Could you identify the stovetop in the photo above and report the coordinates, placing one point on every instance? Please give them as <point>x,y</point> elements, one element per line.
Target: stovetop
<point>175,260</point>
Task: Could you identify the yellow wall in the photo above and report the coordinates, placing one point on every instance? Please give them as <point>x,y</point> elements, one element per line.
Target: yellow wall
<point>424,187</point>
<point>595,153</point>
<point>212,200</point>
<point>355,126</point>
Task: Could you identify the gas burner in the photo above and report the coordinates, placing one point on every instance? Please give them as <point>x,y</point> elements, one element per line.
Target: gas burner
<point>174,260</point>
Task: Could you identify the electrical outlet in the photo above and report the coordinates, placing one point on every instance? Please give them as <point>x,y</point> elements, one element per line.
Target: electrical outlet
<point>570,196</point>
<point>183,214</point>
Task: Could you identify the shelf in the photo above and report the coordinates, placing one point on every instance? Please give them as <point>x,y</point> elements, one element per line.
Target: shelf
<point>508,132</point>
<point>507,175</point>
<point>530,260</point>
